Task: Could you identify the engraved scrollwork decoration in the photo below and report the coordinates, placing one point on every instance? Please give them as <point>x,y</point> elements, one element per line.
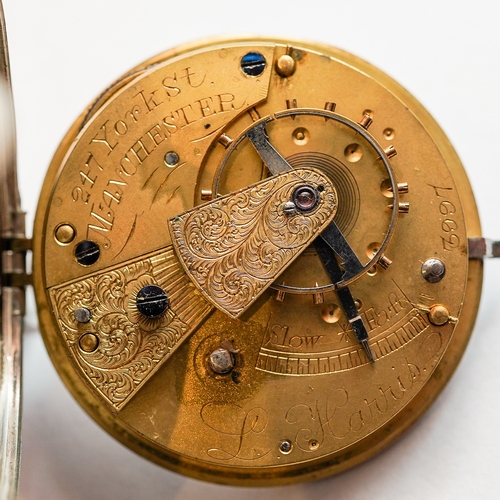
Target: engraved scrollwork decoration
<point>235,246</point>
<point>130,346</point>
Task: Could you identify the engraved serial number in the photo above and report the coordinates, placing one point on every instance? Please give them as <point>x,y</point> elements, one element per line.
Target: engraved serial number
<point>449,225</point>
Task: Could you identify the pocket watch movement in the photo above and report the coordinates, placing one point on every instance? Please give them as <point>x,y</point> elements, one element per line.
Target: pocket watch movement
<point>256,261</point>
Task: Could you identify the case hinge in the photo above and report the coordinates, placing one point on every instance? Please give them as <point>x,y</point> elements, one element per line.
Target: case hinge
<point>13,262</point>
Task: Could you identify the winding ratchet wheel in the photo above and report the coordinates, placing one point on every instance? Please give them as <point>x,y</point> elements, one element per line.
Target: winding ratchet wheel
<point>257,261</point>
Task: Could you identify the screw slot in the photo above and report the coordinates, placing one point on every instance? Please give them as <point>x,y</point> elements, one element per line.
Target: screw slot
<point>152,301</point>
<point>87,253</point>
<point>253,64</point>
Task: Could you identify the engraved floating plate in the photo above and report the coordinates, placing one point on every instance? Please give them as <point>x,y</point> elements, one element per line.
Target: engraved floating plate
<point>234,247</point>
<point>129,347</point>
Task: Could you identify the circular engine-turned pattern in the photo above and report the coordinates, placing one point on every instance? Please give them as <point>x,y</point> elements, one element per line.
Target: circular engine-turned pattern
<point>342,179</point>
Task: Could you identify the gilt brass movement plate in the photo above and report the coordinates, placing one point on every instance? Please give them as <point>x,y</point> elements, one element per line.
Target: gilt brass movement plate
<point>251,260</point>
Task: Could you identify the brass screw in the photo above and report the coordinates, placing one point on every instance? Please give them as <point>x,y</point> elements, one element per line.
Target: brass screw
<point>285,66</point>
<point>439,315</point>
<point>88,342</point>
<point>65,233</point>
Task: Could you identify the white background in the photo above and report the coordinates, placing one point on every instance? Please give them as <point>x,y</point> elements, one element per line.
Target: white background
<point>447,53</point>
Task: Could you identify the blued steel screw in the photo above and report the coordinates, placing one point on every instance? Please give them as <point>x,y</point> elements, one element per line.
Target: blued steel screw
<point>87,252</point>
<point>253,64</point>
<point>152,301</point>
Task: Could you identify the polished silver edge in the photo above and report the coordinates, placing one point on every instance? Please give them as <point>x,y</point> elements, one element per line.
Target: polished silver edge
<point>11,216</point>
<point>12,298</point>
<point>10,391</point>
